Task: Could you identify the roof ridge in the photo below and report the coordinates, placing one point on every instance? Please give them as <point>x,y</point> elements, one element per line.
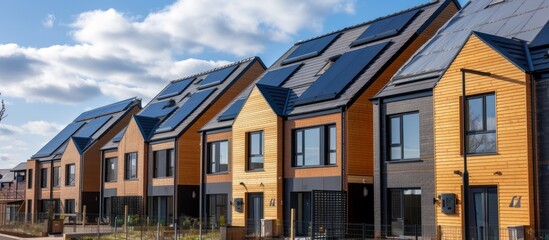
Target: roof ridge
<point>370,21</point>
<point>248,59</point>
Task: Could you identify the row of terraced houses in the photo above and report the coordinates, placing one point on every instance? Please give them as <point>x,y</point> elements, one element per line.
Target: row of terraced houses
<point>371,124</point>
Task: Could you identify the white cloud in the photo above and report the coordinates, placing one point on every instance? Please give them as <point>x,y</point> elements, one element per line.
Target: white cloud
<point>48,21</point>
<point>40,128</point>
<point>119,55</point>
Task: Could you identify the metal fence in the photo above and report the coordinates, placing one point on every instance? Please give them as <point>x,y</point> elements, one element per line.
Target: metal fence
<point>90,226</point>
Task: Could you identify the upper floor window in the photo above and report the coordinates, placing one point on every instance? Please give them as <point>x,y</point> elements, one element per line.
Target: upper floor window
<point>218,157</point>
<point>255,150</point>
<point>111,169</point>
<point>130,166</point>
<point>481,124</point>
<point>404,136</point>
<point>44,178</point>
<point>29,183</point>
<point>315,146</point>
<point>70,178</point>
<point>163,163</point>
<point>56,177</point>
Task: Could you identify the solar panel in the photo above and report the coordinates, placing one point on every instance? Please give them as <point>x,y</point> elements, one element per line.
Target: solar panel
<point>92,127</point>
<point>385,28</point>
<point>175,88</point>
<point>232,111</point>
<point>217,77</point>
<point>108,109</point>
<point>158,109</point>
<point>185,110</point>
<point>278,76</point>
<point>340,74</point>
<point>119,136</point>
<point>311,48</point>
<point>59,139</point>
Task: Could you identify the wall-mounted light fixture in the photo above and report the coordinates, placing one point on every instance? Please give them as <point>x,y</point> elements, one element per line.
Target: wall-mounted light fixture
<point>458,172</point>
<point>498,173</point>
<point>365,192</point>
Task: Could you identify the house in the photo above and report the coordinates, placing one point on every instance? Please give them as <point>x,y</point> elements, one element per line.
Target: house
<point>466,97</point>
<point>301,136</point>
<point>12,193</point>
<point>62,177</point>
<point>152,165</point>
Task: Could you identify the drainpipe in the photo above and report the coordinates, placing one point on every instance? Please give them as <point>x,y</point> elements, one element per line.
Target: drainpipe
<point>383,205</point>
<point>51,182</point>
<point>344,153</point>
<point>174,199</point>
<point>200,192</point>
<point>101,178</point>
<point>534,137</point>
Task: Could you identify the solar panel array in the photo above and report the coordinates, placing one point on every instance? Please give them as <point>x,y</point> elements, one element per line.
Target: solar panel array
<point>175,88</point>
<point>158,109</point>
<point>340,74</point>
<point>278,76</point>
<point>112,108</point>
<point>311,48</point>
<point>92,126</point>
<point>217,77</point>
<point>385,28</point>
<point>185,110</point>
<point>232,111</point>
<point>59,139</point>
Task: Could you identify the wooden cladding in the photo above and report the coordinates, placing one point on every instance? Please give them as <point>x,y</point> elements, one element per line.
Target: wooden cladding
<point>510,168</point>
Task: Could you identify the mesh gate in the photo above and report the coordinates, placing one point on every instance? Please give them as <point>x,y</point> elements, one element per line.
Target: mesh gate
<point>329,214</point>
<point>134,206</point>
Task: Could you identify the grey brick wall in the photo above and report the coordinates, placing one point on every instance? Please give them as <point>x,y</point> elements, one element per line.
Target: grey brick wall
<point>418,174</point>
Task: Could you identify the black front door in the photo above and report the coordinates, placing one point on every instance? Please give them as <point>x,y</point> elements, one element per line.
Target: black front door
<point>484,222</point>
<point>255,213</point>
<point>301,202</point>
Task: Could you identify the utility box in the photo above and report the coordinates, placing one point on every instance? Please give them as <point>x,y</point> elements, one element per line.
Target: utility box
<point>448,203</point>
<point>238,202</point>
<point>267,227</point>
<point>516,233</point>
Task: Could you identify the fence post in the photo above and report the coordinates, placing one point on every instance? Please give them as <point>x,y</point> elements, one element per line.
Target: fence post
<point>126,220</point>
<point>84,216</point>
<point>415,231</point>
<point>292,224</point>
<point>115,226</point>
<point>158,230</point>
<point>98,227</point>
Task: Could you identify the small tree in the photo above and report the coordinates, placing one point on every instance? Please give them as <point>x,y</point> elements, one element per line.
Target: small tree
<point>2,110</point>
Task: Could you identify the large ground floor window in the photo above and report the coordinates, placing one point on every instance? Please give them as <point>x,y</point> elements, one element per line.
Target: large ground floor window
<point>216,209</point>
<point>161,210</point>
<point>405,212</point>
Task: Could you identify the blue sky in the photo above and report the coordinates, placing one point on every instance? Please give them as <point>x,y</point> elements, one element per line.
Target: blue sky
<point>60,58</point>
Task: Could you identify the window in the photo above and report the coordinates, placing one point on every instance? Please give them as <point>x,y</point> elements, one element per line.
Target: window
<point>255,151</point>
<point>69,206</point>
<point>218,157</point>
<point>56,177</point>
<point>216,209</point>
<point>111,168</point>
<point>29,209</point>
<point>70,178</point>
<point>481,124</point>
<point>29,183</point>
<point>44,178</point>
<point>404,136</point>
<point>162,209</point>
<point>315,146</point>
<point>163,163</point>
<point>130,166</point>
<point>405,211</point>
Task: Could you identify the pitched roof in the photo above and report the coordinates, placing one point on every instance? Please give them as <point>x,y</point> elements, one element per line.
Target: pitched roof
<point>183,101</point>
<point>510,19</point>
<point>20,167</point>
<point>87,128</point>
<point>368,48</point>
